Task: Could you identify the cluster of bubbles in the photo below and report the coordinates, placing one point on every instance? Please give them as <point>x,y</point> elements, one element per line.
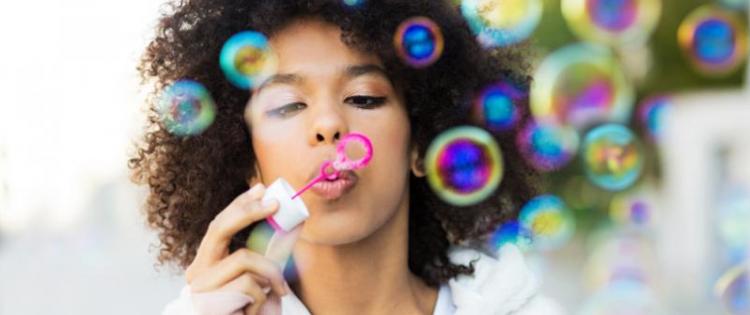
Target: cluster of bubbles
<point>548,219</point>
<point>733,288</point>
<point>579,85</point>
<point>419,42</point>
<point>247,59</point>
<point>498,106</point>
<point>651,115</point>
<point>498,23</point>
<point>464,165</point>
<point>186,108</point>
<point>614,22</point>
<point>612,157</point>
<point>547,146</point>
<point>714,40</point>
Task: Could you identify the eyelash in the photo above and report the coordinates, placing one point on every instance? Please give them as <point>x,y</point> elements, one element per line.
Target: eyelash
<point>371,103</point>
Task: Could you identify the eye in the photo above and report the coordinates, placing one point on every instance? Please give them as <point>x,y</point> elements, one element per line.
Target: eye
<point>365,101</point>
<point>287,110</point>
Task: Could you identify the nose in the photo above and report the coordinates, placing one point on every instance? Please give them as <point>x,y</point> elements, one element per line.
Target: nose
<point>329,125</point>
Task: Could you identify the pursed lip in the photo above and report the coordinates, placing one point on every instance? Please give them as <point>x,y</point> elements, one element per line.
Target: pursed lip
<point>335,189</point>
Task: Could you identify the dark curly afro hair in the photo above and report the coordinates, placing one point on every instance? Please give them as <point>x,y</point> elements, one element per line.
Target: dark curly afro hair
<point>191,179</point>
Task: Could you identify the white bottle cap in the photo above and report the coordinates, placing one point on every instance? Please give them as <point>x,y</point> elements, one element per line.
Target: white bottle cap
<point>291,211</point>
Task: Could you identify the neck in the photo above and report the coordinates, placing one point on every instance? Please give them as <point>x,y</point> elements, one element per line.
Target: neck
<point>370,276</point>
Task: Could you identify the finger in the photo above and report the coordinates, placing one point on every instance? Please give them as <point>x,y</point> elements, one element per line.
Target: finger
<point>247,285</point>
<point>241,261</point>
<point>241,212</point>
<point>272,306</point>
<point>259,298</point>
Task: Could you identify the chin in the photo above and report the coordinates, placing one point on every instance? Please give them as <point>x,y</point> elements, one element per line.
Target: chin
<point>334,229</point>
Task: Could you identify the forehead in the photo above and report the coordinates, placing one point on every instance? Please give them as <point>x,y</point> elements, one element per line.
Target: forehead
<point>311,46</point>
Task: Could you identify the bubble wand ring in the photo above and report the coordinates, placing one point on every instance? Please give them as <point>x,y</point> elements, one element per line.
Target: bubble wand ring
<point>342,162</point>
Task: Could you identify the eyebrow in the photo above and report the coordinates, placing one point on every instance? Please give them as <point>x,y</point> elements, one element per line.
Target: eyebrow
<point>351,72</point>
<point>360,70</point>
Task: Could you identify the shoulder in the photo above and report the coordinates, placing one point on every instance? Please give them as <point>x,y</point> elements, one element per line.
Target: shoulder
<point>502,283</point>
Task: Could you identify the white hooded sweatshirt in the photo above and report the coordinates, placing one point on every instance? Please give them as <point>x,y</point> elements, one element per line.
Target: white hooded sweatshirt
<point>502,285</point>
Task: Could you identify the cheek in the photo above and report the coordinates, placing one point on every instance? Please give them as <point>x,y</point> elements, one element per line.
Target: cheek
<point>275,153</point>
<point>390,164</point>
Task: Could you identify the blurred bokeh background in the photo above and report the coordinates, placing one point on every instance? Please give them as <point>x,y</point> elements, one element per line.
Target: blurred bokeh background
<point>641,127</point>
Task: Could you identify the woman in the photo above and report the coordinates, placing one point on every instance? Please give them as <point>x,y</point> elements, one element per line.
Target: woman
<point>384,244</point>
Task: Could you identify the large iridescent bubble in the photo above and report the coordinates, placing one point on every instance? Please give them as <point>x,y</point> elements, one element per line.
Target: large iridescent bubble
<point>498,106</point>
<point>502,22</point>
<point>186,108</point>
<point>419,42</point>
<point>547,146</point>
<point>612,157</point>
<point>614,22</point>
<point>247,59</point>
<point>733,288</point>
<point>714,40</point>
<point>464,165</point>
<point>581,84</point>
<point>549,220</point>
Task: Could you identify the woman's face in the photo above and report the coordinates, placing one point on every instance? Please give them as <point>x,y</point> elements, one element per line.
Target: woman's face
<point>322,91</point>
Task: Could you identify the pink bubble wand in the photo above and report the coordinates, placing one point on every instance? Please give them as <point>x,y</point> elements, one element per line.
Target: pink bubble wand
<point>331,170</point>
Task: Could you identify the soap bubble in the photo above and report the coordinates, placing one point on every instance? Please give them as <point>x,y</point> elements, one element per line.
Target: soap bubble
<point>259,237</point>
<point>733,288</point>
<point>419,42</point>
<point>620,255</point>
<point>652,113</point>
<point>354,3</point>
<point>500,23</point>
<point>614,22</point>
<point>714,40</point>
<point>497,107</point>
<point>612,156</point>
<point>634,208</point>
<point>547,146</point>
<point>549,220</point>
<point>579,85</point>
<point>247,59</point>
<point>186,108</point>
<point>511,232</point>
<point>464,165</point>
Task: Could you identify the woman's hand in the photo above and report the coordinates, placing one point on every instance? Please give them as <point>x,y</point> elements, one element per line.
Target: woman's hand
<point>243,271</point>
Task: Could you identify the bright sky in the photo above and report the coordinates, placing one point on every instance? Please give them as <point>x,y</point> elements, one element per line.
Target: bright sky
<point>69,103</point>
